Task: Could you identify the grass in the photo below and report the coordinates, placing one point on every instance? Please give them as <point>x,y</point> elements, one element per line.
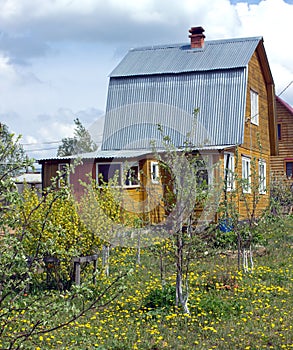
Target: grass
<point>229,309</point>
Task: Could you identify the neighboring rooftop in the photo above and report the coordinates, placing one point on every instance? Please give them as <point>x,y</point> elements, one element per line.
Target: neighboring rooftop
<point>285,104</point>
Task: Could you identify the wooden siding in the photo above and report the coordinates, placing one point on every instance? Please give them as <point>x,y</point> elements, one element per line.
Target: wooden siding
<point>257,138</point>
<point>285,119</point>
<point>245,203</point>
<point>82,173</point>
<point>249,202</point>
<point>253,132</point>
<point>49,171</point>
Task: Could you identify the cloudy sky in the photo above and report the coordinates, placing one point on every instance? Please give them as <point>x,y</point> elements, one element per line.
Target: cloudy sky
<point>56,55</point>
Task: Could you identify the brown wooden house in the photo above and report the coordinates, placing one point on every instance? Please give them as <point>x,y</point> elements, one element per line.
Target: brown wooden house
<point>282,164</point>
<point>229,84</point>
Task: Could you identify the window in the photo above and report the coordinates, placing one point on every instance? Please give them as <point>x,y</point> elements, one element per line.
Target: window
<point>229,168</point>
<point>254,107</point>
<point>289,169</point>
<point>262,168</point>
<point>132,175</point>
<point>204,170</point>
<point>63,177</point>
<point>114,171</point>
<point>246,174</point>
<point>108,171</point>
<point>202,174</point>
<point>155,174</point>
<point>279,131</point>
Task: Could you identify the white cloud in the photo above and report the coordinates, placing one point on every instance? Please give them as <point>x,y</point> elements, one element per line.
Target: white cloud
<point>55,56</point>
<point>6,69</point>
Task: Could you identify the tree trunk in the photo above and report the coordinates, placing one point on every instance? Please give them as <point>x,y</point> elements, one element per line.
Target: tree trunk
<point>181,296</point>
<point>105,258</point>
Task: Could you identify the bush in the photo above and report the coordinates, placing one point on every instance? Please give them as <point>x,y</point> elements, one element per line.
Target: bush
<point>160,298</point>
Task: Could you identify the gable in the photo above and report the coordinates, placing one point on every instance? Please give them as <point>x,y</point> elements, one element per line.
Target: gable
<point>136,105</point>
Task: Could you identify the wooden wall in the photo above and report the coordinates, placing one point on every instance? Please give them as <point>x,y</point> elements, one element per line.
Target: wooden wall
<point>285,118</point>
<point>143,202</point>
<point>257,140</point>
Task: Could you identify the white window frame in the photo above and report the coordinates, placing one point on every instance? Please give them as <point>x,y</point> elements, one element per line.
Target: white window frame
<point>123,170</point>
<point>155,172</point>
<point>262,171</point>
<point>128,167</point>
<point>246,175</point>
<point>62,167</point>
<point>254,107</point>
<point>229,172</point>
<point>109,163</point>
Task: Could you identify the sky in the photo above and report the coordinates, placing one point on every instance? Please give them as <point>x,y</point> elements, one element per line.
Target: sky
<point>56,55</point>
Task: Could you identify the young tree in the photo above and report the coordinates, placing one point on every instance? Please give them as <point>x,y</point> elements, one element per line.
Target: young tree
<point>81,142</point>
<point>188,192</point>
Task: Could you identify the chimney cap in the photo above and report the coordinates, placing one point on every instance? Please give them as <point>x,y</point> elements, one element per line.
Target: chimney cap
<point>196,30</point>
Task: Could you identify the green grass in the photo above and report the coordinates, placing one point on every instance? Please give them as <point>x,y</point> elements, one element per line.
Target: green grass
<point>229,309</point>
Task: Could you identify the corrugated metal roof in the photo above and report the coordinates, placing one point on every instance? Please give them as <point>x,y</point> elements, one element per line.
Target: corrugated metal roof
<point>136,105</point>
<point>179,58</point>
<point>121,154</point>
<point>103,154</point>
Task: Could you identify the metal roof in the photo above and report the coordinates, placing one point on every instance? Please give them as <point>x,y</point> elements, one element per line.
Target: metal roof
<point>120,154</point>
<point>137,105</point>
<point>180,58</point>
<point>127,154</point>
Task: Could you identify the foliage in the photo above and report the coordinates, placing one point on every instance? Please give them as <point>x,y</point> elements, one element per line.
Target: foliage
<point>186,192</point>
<point>160,298</point>
<point>13,160</point>
<point>228,309</point>
<point>35,228</point>
<point>81,142</point>
<point>281,193</point>
<point>51,227</point>
<point>241,231</point>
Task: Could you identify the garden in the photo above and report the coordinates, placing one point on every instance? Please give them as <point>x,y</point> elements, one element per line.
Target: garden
<point>64,285</point>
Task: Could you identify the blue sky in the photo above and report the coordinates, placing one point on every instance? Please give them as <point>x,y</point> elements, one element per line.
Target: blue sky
<point>55,56</point>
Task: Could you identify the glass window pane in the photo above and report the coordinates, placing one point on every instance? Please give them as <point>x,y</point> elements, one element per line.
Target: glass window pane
<point>109,171</point>
<point>289,169</point>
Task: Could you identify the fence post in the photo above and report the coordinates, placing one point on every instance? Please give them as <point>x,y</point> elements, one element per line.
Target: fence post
<point>77,273</point>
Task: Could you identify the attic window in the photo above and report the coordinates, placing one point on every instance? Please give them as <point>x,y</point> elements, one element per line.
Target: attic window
<point>254,112</point>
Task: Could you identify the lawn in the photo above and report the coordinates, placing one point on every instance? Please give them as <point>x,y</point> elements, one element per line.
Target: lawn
<point>229,309</point>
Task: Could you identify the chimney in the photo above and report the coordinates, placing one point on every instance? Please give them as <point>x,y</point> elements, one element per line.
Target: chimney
<point>196,37</point>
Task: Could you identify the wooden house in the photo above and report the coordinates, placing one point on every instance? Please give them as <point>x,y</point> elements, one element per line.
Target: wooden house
<point>229,84</point>
<point>282,164</point>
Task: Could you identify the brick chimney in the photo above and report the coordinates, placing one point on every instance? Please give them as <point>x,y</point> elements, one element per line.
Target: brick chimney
<point>196,37</point>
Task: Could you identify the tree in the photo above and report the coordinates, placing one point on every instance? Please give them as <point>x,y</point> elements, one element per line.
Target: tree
<point>13,160</point>
<point>30,229</point>
<point>188,191</point>
<point>81,142</point>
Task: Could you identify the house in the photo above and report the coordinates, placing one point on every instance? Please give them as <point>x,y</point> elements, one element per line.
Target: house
<point>30,179</point>
<point>230,86</point>
<point>282,164</point>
